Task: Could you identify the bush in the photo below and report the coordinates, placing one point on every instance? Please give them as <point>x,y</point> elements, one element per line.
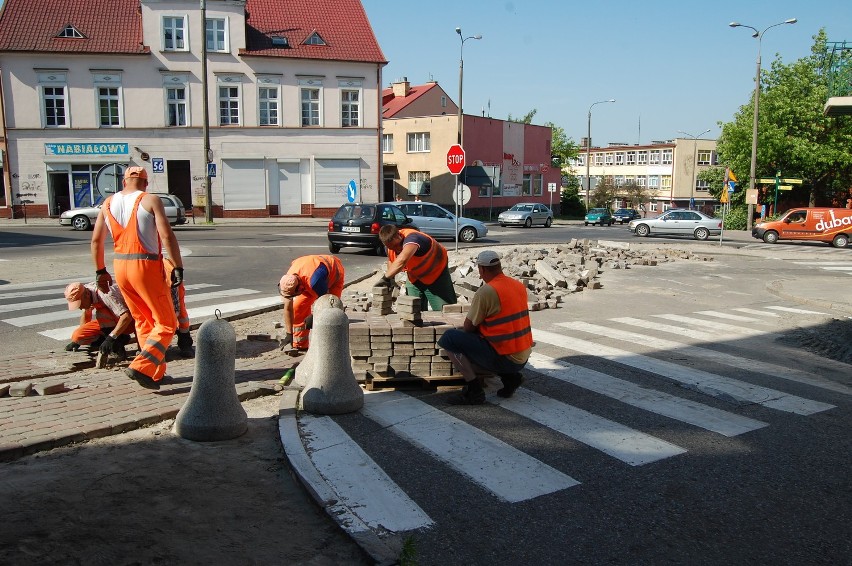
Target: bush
<point>736,218</point>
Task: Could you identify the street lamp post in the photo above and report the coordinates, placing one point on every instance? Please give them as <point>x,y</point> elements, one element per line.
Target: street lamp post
<point>694,162</point>
<point>459,205</point>
<point>589,149</point>
<point>751,177</point>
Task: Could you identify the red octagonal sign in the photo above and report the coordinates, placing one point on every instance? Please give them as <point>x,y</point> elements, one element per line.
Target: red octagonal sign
<point>455,159</point>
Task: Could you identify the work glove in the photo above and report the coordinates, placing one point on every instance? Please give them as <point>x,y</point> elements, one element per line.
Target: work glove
<point>72,347</point>
<point>106,345</point>
<point>177,276</point>
<point>386,281</point>
<point>286,341</point>
<point>104,279</point>
<point>309,321</point>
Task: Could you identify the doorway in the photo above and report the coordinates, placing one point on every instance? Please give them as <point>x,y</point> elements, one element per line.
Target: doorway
<point>58,192</point>
<point>180,181</point>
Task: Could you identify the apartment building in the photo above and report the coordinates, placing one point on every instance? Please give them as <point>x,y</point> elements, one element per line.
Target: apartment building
<point>667,169</point>
<point>287,92</point>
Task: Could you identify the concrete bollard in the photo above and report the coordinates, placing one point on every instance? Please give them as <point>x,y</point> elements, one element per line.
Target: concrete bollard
<point>305,367</point>
<point>331,388</point>
<point>213,411</point>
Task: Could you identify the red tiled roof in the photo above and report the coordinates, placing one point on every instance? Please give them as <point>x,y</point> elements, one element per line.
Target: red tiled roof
<point>342,24</point>
<point>108,27</point>
<point>392,104</point>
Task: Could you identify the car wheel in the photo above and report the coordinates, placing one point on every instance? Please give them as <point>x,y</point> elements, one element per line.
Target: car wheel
<point>642,230</point>
<point>770,237</point>
<point>528,223</point>
<point>585,223</point>
<point>840,241</point>
<point>380,250</point>
<point>702,233</point>
<point>333,248</point>
<point>610,222</point>
<point>467,234</point>
<point>548,222</point>
<point>502,225</point>
<point>81,222</point>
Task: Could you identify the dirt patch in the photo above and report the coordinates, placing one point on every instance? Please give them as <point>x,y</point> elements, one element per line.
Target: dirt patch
<point>832,340</point>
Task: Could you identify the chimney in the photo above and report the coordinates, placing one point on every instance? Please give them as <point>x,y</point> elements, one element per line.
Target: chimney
<point>401,87</point>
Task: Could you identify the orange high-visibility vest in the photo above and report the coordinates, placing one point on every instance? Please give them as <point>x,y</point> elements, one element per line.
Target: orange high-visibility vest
<point>509,330</point>
<point>304,267</point>
<point>426,268</point>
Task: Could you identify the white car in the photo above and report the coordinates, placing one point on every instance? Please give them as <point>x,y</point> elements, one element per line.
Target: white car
<point>439,222</point>
<point>678,223</point>
<point>526,214</point>
<point>84,218</point>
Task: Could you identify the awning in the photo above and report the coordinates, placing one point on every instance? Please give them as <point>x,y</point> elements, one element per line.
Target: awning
<point>475,176</point>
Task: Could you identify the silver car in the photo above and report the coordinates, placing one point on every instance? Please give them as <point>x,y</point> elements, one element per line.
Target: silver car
<point>440,223</point>
<point>84,218</point>
<point>678,223</point>
<point>526,214</point>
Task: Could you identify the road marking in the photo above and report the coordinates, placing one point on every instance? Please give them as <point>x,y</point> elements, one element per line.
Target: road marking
<point>701,335</point>
<point>358,481</point>
<point>36,284</point>
<point>621,442</point>
<point>508,473</point>
<point>711,324</point>
<point>723,388</point>
<point>662,344</point>
<point>54,292</point>
<point>797,311</point>
<point>729,316</point>
<point>758,312</point>
<point>658,402</point>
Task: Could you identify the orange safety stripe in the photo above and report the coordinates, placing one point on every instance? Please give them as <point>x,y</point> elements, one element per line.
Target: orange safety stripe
<point>509,331</point>
<point>304,267</point>
<point>426,268</point>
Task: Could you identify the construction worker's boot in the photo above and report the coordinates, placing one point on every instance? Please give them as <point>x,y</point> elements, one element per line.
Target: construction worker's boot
<point>471,394</point>
<point>184,343</point>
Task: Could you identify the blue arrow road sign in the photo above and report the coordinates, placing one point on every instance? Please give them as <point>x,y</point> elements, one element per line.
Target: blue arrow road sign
<point>352,191</point>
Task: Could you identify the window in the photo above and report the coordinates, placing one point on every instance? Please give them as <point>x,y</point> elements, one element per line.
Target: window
<point>419,183</point>
<point>176,103</point>
<point>419,142</point>
<point>267,97</point>
<point>667,157</point>
<point>54,101</point>
<point>653,182</point>
<point>703,186</point>
<point>642,158</point>
<point>641,180</point>
<point>443,101</point>
<point>350,108</point>
<point>655,157</point>
<point>527,185</point>
<point>229,105</point>
<point>108,106</point>
<point>704,156</point>
<point>174,33</point>
<point>631,158</point>
<point>538,184</point>
<point>70,31</point>
<point>619,180</point>
<point>310,98</point>
<point>619,158</point>
<point>216,32</point>
<point>581,160</point>
<point>387,143</point>
<point>599,159</point>
<point>608,159</point>
<point>666,182</point>
<point>314,39</point>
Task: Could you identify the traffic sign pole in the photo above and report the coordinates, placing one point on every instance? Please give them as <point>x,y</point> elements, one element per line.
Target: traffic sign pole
<point>455,163</point>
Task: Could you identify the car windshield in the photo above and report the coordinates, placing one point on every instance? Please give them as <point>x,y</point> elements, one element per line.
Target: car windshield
<point>355,211</point>
<point>597,211</point>
<point>521,208</point>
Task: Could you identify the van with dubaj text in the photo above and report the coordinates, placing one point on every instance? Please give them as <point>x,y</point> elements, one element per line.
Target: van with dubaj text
<point>832,225</point>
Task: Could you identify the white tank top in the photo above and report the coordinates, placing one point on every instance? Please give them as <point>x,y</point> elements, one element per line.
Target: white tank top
<point>121,206</point>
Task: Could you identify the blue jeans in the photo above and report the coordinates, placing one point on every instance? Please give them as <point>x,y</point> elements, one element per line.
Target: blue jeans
<point>478,351</point>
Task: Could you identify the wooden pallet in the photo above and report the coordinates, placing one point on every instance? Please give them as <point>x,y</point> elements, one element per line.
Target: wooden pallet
<point>373,381</point>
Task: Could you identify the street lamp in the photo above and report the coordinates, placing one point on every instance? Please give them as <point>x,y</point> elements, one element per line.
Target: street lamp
<point>589,149</point>
<point>759,36</point>
<point>694,162</point>
<point>461,78</point>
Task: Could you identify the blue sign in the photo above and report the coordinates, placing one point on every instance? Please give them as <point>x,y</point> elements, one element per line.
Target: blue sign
<point>157,165</point>
<point>86,148</point>
<point>351,191</point>
<point>211,169</point>
<point>732,186</point>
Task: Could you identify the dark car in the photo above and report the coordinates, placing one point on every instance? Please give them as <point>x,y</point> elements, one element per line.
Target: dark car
<point>358,224</point>
<point>623,215</point>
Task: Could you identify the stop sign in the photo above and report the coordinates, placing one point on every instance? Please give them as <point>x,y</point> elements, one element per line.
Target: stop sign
<point>455,159</point>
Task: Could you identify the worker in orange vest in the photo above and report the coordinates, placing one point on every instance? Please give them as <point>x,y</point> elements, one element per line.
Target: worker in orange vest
<point>425,262</point>
<point>308,278</point>
<point>105,324</point>
<point>140,231</point>
<point>497,335</point>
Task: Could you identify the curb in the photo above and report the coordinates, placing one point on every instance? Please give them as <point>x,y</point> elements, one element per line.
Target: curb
<point>320,490</point>
<point>777,288</point>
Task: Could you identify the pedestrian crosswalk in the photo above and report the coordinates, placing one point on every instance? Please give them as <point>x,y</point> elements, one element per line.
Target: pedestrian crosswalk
<point>667,368</point>
<point>42,309</point>
<point>800,248</point>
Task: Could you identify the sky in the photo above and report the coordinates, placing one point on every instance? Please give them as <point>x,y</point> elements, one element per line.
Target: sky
<point>671,65</point>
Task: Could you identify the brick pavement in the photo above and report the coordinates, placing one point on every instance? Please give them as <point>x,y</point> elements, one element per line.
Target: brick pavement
<point>98,403</point>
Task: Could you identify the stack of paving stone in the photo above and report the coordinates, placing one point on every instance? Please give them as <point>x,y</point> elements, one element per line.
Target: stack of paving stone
<point>408,309</point>
<point>382,300</point>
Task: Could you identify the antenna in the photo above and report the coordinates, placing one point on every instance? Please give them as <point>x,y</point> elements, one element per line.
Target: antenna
<point>639,134</point>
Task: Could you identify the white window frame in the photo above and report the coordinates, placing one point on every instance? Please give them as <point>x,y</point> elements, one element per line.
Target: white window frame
<point>421,182</point>
<point>631,158</point>
<point>176,83</point>
<point>49,84</point>
<point>704,156</point>
<point>653,182</point>
<point>599,158</point>
<point>350,110</point>
<point>168,23</point>
<point>314,107</point>
<point>654,157</point>
<point>641,180</point>
<point>665,182</point>
<point>538,184</point>
<point>387,143</point>
<point>619,158</point>
<point>418,142</point>
<point>667,156</point>
<point>229,97</point>
<point>642,158</point>
<point>608,158</point>
<point>105,81</point>
<point>219,45</point>
<point>702,186</point>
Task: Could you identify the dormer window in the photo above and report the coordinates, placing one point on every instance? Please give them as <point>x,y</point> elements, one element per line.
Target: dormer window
<point>70,31</point>
<point>315,39</point>
<point>279,41</point>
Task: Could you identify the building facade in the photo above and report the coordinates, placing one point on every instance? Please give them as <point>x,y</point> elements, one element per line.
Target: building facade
<point>668,170</point>
<point>290,89</point>
<point>507,162</point>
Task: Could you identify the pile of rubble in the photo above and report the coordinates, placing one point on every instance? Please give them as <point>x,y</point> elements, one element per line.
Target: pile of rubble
<point>549,272</point>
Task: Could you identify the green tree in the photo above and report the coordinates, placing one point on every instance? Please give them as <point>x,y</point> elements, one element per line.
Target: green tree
<point>562,148</point>
<point>603,194</point>
<point>794,136</point>
<point>571,205</point>
<point>525,119</point>
<point>635,195</point>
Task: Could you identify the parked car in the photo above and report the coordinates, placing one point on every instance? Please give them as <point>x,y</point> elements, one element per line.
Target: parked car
<point>439,222</point>
<point>678,223</point>
<point>84,218</point>
<point>357,225</point>
<point>526,214</point>
<point>598,216</point>
<point>623,215</point>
